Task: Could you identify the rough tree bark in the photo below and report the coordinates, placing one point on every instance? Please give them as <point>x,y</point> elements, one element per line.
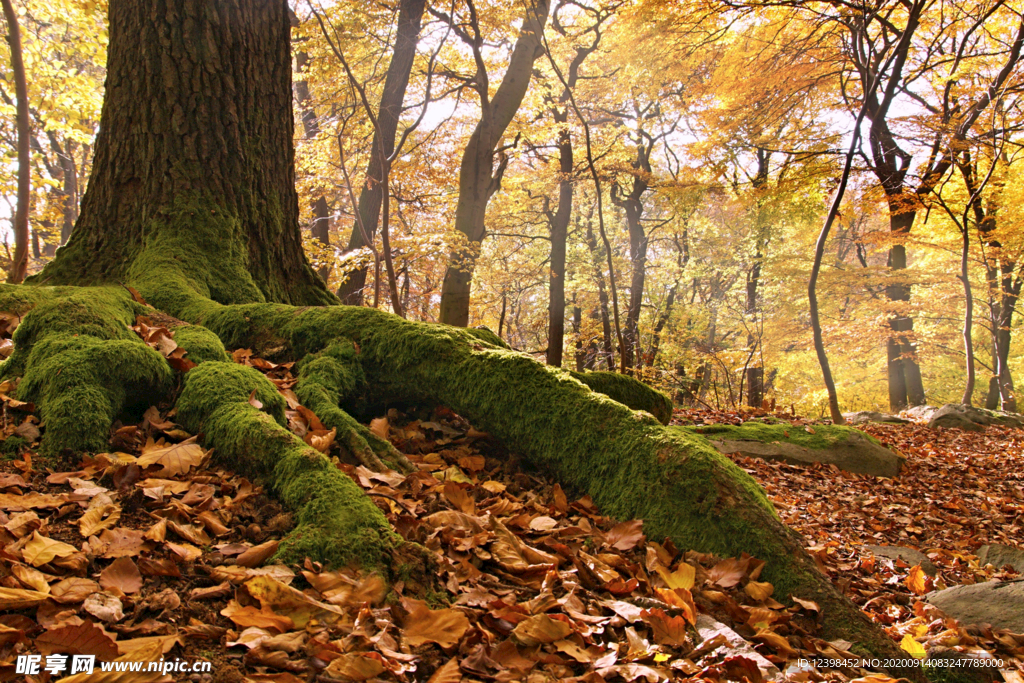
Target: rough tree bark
<point>478,177</point>
<point>192,205</point>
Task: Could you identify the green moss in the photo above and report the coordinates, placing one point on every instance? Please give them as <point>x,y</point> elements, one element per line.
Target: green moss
<point>12,446</point>
<point>824,436</point>
<point>628,391</point>
<point>191,252</point>
<point>335,521</point>
<point>201,344</point>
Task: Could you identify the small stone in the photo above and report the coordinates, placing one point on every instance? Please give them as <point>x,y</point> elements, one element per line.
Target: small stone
<point>999,555</point>
<point>909,555</point>
<point>998,603</point>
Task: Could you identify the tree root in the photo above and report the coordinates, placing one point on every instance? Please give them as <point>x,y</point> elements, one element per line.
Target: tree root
<point>82,364</point>
<point>334,374</point>
<point>630,465</point>
<point>335,521</point>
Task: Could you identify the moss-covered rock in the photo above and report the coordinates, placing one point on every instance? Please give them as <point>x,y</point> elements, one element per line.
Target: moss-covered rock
<point>848,449</point>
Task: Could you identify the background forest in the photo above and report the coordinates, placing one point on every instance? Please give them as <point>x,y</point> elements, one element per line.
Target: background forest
<point>636,185</point>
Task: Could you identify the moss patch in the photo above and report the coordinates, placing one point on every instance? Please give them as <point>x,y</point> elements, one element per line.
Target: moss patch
<point>628,391</point>
<point>201,344</point>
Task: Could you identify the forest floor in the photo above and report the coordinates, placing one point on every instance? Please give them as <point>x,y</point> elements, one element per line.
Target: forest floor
<point>153,551</point>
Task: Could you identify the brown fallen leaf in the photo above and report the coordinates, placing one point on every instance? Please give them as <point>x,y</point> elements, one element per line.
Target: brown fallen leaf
<point>424,625</point>
<point>447,673</point>
<point>540,629</point>
<point>123,575</point>
<point>102,513</point>
<point>356,666</point>
<point>18,598</point>
<point>626,536</point>
<point>257,555</point>
<point>681,599</point>
<point>31,578</point>
<point>73,589</point>
<point>286,601</point>
<point>81,639</point>
<point>667,630</point>
<point>175,459</point>
<point>41,550</point>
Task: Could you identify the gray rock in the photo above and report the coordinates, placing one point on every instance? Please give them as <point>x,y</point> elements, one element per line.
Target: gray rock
<point>865,416</point>
<point>999,603</point>
<point>971,418</point>
<point>964,665</point>
<point>999,555</point>
<point>958,416</point>
<point>857,454</point>
<point>920,412</point>
<point>908,555</point>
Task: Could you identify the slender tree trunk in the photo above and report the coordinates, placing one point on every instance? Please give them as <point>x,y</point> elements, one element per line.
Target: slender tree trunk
<point>71,192</point>
<point>227,178</point>
<point>968,317</point>
<point>602,297</point>
<point>19,265</point>
<point>577,328</point>
<point>632,204</point>
<point>659,326</point>
<point>559,224</point>
<point>371,197</point>
<point>478,177</point>
<point>321,226</point>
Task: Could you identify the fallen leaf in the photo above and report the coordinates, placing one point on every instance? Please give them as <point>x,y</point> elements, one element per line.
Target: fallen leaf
<point>540,629</point>
<point>626,536</point>
<point>912,647</point>
<point>104,606</point>
<point>356,666</point>
<point>80,639</point>
<point>18,598</point>
<point>424,625</point>
<point>175,459</point>
<point>41,550</point>
<point>123,575</point>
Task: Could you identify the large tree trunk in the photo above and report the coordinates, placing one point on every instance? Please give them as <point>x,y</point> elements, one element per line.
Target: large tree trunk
<point>191,206</point>
<point>193,141</point>
<point>371,197</point>
<point>906,387</point>
<point>478,177</point>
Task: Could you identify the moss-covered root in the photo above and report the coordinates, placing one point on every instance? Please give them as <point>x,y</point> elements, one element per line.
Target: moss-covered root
<point>335,521</point>
<point>633,467</point>
<point>80,362</point>
<point>335,375</point>
<point>629,392</point>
